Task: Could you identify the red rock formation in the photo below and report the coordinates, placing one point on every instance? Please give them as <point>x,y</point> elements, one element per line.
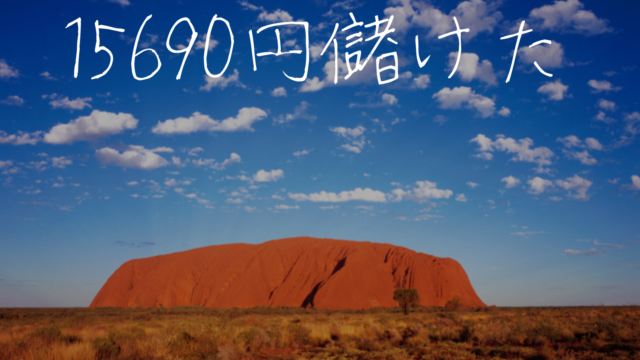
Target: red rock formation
<point>319,273</point>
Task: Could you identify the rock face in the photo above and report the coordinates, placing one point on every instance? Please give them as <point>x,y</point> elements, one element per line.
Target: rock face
<point>307,272</point>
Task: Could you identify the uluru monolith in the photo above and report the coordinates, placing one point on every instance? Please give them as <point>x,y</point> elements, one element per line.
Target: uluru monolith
<point>301,272</point>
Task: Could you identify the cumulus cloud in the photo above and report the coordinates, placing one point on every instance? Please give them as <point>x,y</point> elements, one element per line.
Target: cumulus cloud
<point>299,112</point>
<point>635,183</point>
<point>13,100</point>
<point>222,82</point>
<point>522,149</point>
<point>133,157</point>
<point>461,198</point>
<point>22,138</point>
<point>359,194</point>
<point>268,176</point>
<point>63,102</point>
<point>424,191</point>
<point>233,159</point>
<point>598,86</point>
<point>300,153</point>
<point>632,123</point>
<point>199,122</point>
<point>459,96</point>
<point>422,81</point>
<point>88,128</point>
<point>574,141</point>
<point>275,16</point>
<point>60,162</point>
<point>607,105</point>
<point>279,92</point>
<point>576,186</point>
<point>355,137</point>
<point>549,56</point>
<point>510,181</point>
<point>584,157</point>
<point>554,90</point>
<point>470,68</point>
<point>476,15</point>
<point>504,112</point>
<point>568,16</point>
<point>538,185</point>
<point>7,71</point>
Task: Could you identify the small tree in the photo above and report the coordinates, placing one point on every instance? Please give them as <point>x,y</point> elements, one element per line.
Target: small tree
<point>406,298</point>
<point>454,304</point>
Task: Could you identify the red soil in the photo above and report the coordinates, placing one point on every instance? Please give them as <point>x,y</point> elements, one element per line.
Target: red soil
<point>309,272</point>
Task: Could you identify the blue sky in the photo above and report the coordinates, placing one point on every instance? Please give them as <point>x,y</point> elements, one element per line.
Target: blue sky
<point>532,185</point>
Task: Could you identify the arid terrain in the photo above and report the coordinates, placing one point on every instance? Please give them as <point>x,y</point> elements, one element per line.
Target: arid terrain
<point>295,333</point>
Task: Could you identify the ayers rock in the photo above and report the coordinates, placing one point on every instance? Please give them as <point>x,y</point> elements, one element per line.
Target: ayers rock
<point>302,271</point>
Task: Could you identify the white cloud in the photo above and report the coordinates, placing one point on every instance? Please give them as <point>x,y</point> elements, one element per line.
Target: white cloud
<point>200,44</point>
<point>504,112</point>
<point>222,82</point>
<point>424,191</point>
<point>279,92</point>
<point>299,112</point>
<point>607,105</point>
<point>422,81</point>
<point>122,3</point>
<point>60,162</point>
<point>133,157</point>
<point>386,100</point>
<point>454,99</point>
<point>287,207</point>
<point>276,16</point>
<point>476,15</point>
<point>268,176</point>
<point>199,122</point>
<point>554,90</point>
<point>358,194</point>
<point>635,183</point>
<point>47,76</point>
<point>60,102</point>
<point>300,153</point>
<point>568,16</point>
<point>472,184</point>
<point>389,99</point>
<point>602,116</point>
<point>132,183</point>
<point>13,100</point>
<point>593,144</point>
<point>7,71</point>
<point>538,185</point>
<point>576,186</point>
<point>471,68</point>
<point>632,123</point>
<point>590,252</point>
<point>510,181</point>
<point>582,156</point>
<point>234,158</point>
<point>355,138</point>
<point>97,124</point>
<point>195,151</point>
<point>22,138</point>
<point>599,86</point>
<point>547,56</point>
<point>461,198</point>
<point>522,149</point>
<point>366,75</point>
